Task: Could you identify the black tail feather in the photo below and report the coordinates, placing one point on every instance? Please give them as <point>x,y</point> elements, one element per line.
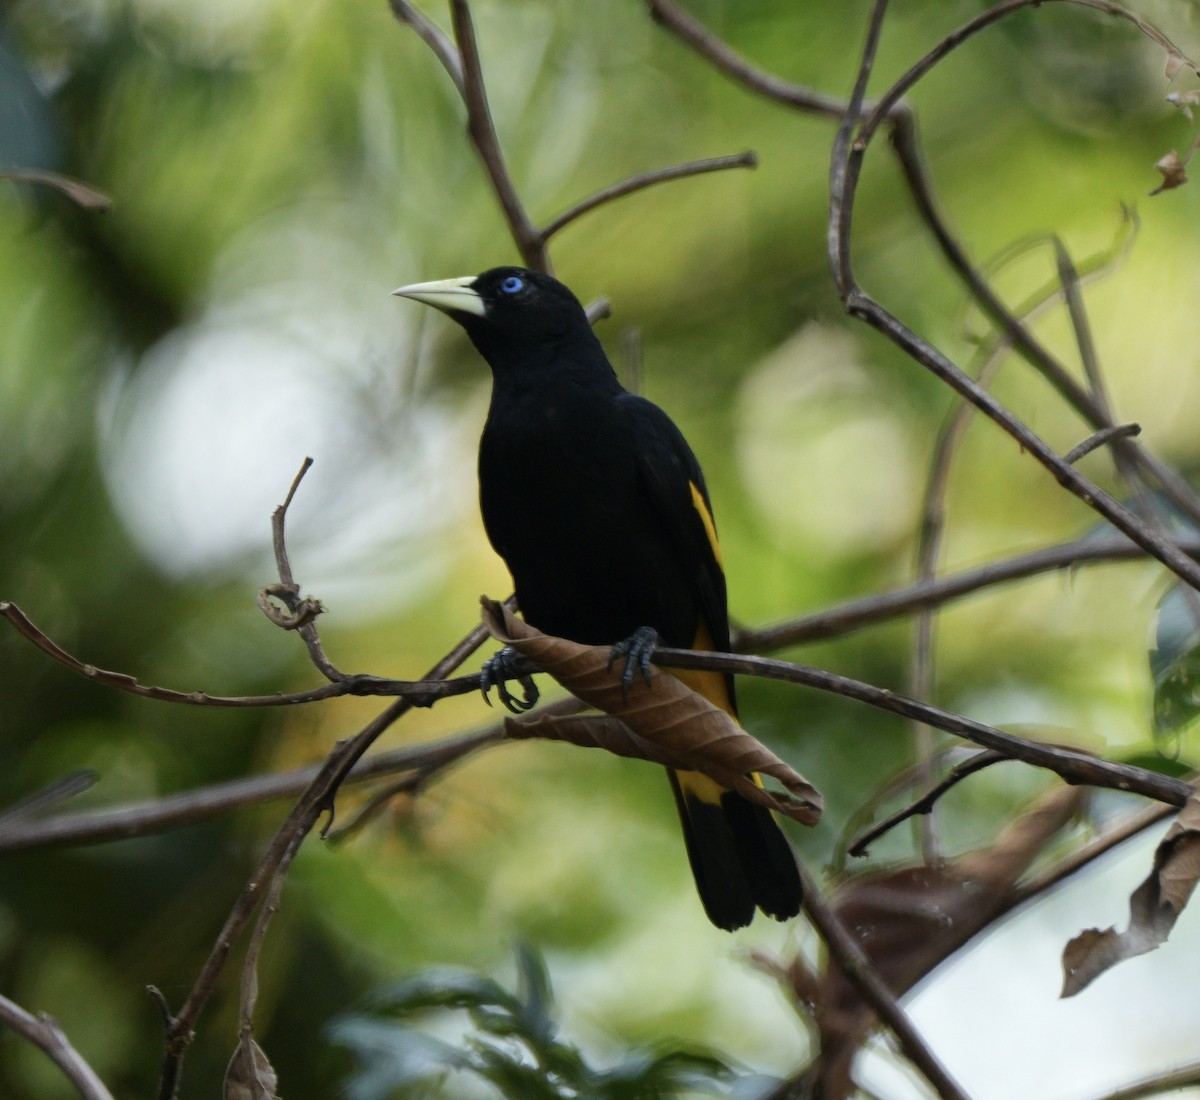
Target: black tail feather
<point>740,858</point>
<point>766,857</point>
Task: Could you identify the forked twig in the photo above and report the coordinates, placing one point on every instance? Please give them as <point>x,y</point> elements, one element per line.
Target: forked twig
<point>316,799</point>
<point>903,134</point>
<point>461,61</point>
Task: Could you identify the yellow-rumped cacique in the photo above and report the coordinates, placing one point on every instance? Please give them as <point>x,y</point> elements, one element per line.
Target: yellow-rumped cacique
<point>597,504</point>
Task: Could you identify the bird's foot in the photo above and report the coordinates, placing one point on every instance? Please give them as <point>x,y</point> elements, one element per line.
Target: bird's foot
<point>637,650</point>
<point>497,671</point>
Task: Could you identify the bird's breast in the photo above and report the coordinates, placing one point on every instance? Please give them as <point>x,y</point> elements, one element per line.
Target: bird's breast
<point>564,504</point>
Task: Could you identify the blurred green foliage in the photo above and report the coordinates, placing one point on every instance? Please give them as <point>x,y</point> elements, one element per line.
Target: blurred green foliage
<point>513,1045</point>
<point>276,168</point>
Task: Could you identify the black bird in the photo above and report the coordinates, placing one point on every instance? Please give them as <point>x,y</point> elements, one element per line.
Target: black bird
<point>595,501</point>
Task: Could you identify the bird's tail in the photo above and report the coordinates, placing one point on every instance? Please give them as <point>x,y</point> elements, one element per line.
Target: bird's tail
<point>739,856</point>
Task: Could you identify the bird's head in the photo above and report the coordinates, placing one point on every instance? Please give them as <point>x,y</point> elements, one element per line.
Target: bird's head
<point>511,314</point>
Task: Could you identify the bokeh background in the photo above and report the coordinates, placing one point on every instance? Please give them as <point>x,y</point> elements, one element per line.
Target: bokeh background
<point>276,168</point>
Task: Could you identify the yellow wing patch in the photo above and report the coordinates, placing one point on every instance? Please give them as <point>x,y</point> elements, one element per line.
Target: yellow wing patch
<point>714,686</point>
<point>710,528</point>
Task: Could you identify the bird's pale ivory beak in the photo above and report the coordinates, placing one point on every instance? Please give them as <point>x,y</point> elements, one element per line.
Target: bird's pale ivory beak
<point>451,295</point>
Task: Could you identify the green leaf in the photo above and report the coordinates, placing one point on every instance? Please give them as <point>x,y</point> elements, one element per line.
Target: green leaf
<point>535,994</point>
<point>391,1056</point>
<point>444,987</point>
<point>645,1075</point>
<point>514,1046</point>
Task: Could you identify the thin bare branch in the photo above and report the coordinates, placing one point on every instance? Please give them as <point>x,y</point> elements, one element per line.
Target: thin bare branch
<point>1071,764</point>
<point>45,1034</point>
<point>248,994</point>
<point>378,801</point>
<point>922,668</point>
<point>643,180</point>
<point>80,193</point>
<point>862,306</point>
<point>925,803</point>
<point>443,49</point>
<point>1068,277</point>
<point>301,611</point>
<point>316,799</point>
<point>847,955</point>
<point>38,803</point>
<point>1099,439</point>
<point>729,61</point>
<point>844,166</point>
<point>884,106</point>
<point>482,130</point>
<point>419,692</point>
<point>1172,1080</point>
<point>922,664</point>
<point>161,814</point>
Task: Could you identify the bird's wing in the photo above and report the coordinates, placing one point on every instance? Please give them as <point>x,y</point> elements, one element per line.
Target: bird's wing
<point>675,485</point>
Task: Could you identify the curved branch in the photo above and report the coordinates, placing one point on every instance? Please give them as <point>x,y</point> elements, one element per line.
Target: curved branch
<point>904,142</point>
<point>80,193</point>
<point>887,102</point>
<point>730,62</point>
<point>421,693</point>
<point>643,180</point>
<point>316,800</point>
<point>830,623</point>
<point>845,168</point>
<point>925,803</point>
<point>45,1034</point>
<point>443,49</point>
<point>1071,764</point>
<point>160,814</point>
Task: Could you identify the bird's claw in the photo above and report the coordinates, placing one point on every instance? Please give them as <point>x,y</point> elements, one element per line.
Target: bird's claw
<point>637,650</point>
<point>497,671</point>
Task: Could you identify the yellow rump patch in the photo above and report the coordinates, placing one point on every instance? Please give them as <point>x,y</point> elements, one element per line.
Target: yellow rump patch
<point>712,685</point>
<point>697,785</point>
<point>704,681</point>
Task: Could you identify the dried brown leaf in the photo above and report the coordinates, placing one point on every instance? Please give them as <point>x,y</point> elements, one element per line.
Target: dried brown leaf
<point>662,720</point>
<point>1153,907</point>
<point>1185,101</point>
<point>1174,174</point>
<point>909,919</point>
<point>250,1075</point>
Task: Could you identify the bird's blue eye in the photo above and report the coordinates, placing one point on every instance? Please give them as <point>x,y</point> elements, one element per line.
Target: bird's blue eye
<point>512,285</point>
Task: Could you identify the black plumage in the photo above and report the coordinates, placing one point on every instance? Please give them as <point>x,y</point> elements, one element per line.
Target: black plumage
<point>598,506</point>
